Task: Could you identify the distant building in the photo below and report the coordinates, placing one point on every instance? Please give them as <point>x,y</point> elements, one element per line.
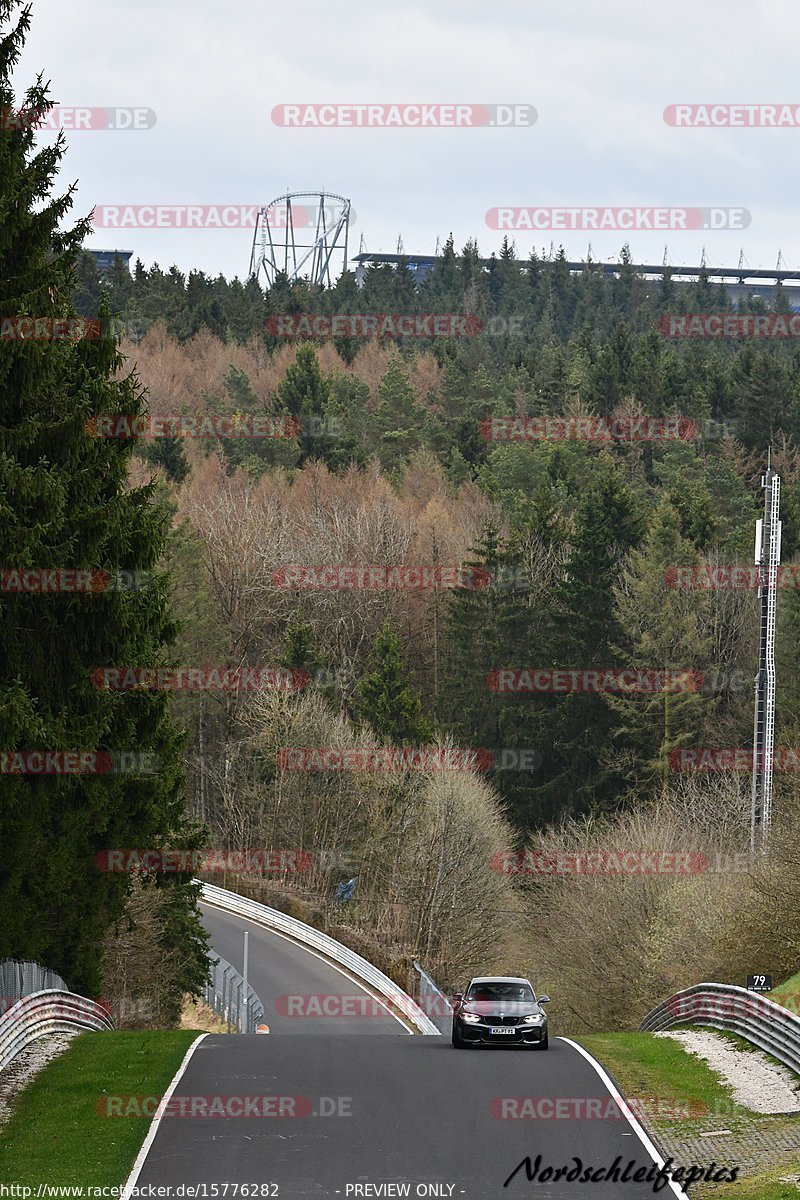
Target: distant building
<point>741,283</point>
<point>104,259</point>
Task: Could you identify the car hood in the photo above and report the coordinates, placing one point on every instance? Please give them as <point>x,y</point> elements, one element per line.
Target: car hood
<point>505,1008</point>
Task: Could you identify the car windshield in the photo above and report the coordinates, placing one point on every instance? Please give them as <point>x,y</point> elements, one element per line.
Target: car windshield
<point>496,990</point>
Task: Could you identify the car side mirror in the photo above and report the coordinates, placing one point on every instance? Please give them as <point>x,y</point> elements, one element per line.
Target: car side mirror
<point>544,1000</point>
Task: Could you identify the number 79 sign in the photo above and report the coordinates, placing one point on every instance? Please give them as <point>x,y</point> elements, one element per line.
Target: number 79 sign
<point>759,983</point>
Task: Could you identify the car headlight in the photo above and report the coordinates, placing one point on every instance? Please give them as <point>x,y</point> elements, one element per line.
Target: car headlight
<point>533,1019</point>
<point>470,1018</point>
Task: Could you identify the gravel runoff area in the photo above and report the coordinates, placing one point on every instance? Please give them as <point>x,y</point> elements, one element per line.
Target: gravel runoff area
<point>767,1139</point>
<point>29,1062</point>
<point>757,1083</point>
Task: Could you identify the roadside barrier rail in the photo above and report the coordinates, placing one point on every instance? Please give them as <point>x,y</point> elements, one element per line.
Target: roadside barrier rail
<point>752,1016</point>
<point>328,947</point>
<point>46,1012</point>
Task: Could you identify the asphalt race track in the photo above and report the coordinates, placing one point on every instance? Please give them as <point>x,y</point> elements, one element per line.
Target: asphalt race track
<point>404,1110</point>
<point>342,1110</point>
<point>278,967</point>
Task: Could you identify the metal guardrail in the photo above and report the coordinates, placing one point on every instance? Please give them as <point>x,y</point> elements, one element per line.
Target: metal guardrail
<point>46,1012</point>
<point>227,994</point>
<point>270,918</point>
<point>433,1001</point>
<point>723,1006</point>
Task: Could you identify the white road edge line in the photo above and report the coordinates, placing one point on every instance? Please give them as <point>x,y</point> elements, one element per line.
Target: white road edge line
<point>316,954</point>
<point>637,1128</point>
<point>130,1183</point>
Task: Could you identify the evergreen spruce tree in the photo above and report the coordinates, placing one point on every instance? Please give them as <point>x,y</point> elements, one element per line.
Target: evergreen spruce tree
<point>88,285</point>
<point>663,628</point>
<point>494,627</point>
<point>610,378</point>
<point>166,452</point>
<point>398,418</point>
<point>787,675</point>
<point>65,503</point>
<point>343,436</point>
<point>574,728</point>
<point>304,392</point>
<point>385,697</point>
<point>467,705</point>
<point>443,284</point>
<point>765,397</point>
<point>120,283</point>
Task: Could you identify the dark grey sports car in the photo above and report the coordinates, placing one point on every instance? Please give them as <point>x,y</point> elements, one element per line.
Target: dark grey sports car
<point>499,1011</point>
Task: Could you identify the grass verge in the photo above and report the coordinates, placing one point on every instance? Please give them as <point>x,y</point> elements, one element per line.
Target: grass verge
<point>682,1098</point>
<point>56,1134</point>
<point>196,1015</point>
<point>766,1186</point>
<point>787,994</point>
<point>660,1071</point>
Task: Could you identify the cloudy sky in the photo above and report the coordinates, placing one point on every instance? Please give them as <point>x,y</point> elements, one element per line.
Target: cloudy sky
<point>599,76</point>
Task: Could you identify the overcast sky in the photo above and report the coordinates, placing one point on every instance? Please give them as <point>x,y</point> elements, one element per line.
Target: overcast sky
<point>598,75</point>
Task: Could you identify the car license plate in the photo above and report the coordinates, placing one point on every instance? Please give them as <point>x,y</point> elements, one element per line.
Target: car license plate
<point>503,1029</point>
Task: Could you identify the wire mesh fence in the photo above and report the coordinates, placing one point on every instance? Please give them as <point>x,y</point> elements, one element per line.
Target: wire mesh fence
<point>233,1000</point>
<point>433,1001</point>
<point>18,979</point>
